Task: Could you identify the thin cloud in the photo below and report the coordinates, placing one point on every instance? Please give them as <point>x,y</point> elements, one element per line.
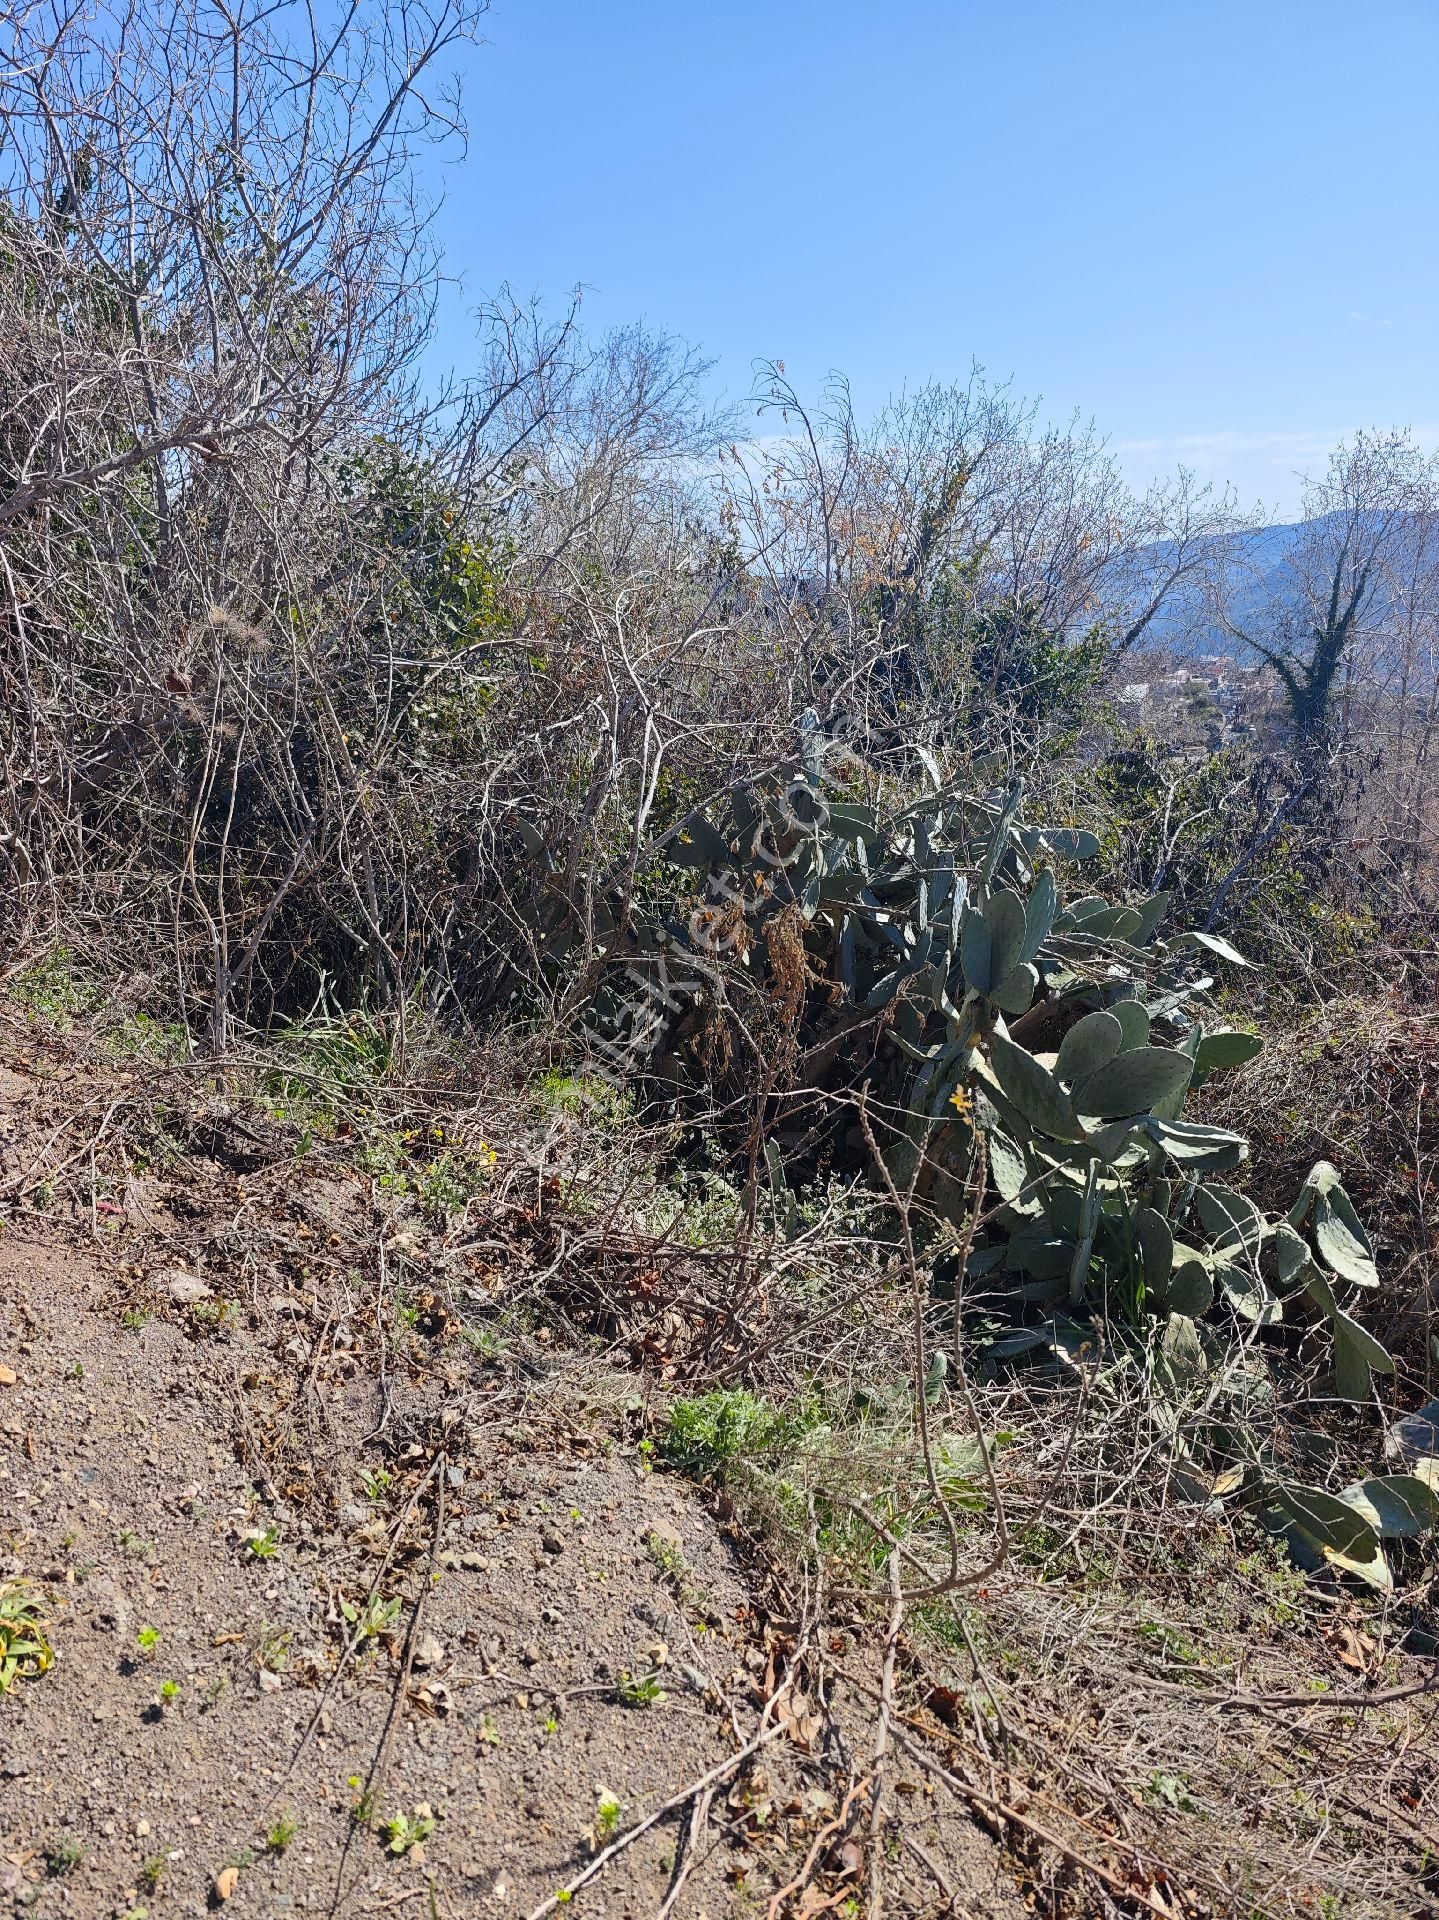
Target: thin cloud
<point>1267,466</point>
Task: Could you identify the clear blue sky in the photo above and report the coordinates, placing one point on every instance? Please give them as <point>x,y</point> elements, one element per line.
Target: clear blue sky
<point>1215,227</point>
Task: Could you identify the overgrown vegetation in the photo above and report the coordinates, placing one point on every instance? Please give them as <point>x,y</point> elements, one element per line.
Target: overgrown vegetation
<point>757,833</point>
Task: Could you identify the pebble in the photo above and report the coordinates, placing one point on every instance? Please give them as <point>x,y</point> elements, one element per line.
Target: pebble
<point>551,1541</point>
<point>430,1652</point>
<point>185,1289</point>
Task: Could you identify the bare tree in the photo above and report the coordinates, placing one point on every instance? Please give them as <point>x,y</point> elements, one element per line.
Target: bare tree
<point>1330,595</point>
<point>215,276</point>
<point>888,549</point>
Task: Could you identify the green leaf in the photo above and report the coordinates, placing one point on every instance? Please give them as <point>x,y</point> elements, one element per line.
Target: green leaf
<point>1032,1088</point>
<point>1209,1149</point>
<point>1190,1290</point>
<point>1231,1219</point>
<point>855,823</point>
<point>1214,944</point>
<point>1248,1295</point>
<point>1156,1250</point>
<point>1039,912</point>
<point>1319,1179</point>
<point>1151,912</point>
<point>1110,923</point>
<point>1133,1023</point>
<point>1088,1223</point>
<point>1090,1044</point>
<point>1333,1522</point>
<point>976,951</point>
<point>1004,917</point>
<point>1035,1248</point>
<point>699,844</point>
<point>1398,1506</point>
<point>1006,1165</point>
<point>1343,1244</point>
<point>1226,1047</point>
<point>1016,991</point>
<point>1293,1255</point>
<point>1357,1355</point>
<point>1132,1082</point>
<point>934,1377</point>
<point>1183,1349</point>
<point>1071,843</point>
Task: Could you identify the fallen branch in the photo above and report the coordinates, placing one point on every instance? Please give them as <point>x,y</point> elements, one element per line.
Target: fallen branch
<point>1125,1889</point>
<point>764,1734</point>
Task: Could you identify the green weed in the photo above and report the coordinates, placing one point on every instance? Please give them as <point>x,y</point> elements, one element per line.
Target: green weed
<point>643,1690</point>
<point>283,1833</point>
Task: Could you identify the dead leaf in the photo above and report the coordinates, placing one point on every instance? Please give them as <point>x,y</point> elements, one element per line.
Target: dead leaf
<point>1354,1649</point>
<point>798,1718</point>
<point>945,1704</point>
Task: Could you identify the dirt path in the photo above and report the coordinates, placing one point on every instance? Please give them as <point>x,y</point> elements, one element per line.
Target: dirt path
<point>588,1641</point>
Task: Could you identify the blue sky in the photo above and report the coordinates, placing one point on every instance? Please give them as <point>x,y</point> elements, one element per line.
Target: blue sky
<point>1213,227</point>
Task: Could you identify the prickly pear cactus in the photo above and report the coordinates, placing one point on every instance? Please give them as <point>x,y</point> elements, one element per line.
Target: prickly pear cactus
<point>1047,1046</point>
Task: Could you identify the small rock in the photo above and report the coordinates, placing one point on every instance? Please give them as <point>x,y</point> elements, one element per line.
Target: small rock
<point>185,1289</point>
<point>226,1881</point>
<point>531,1654</point>
<point>269,1683</point>
<point>551,1541</point>
<point>1415,1436</point>
<point>8,1377</point>
<point>429,1653</point>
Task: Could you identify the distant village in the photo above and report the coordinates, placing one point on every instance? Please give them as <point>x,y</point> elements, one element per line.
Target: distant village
<point>1209,701</point>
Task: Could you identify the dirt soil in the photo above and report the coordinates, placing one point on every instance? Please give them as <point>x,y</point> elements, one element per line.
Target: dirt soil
<point>218,1481</point>
<point>370,1592</point>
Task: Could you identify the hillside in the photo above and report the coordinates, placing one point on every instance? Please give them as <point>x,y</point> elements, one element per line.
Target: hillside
<point>1257,581</point>
<point>713,1201</point>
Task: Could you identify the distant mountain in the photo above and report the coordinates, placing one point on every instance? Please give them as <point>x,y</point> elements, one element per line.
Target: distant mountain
<point>1260,578</point>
